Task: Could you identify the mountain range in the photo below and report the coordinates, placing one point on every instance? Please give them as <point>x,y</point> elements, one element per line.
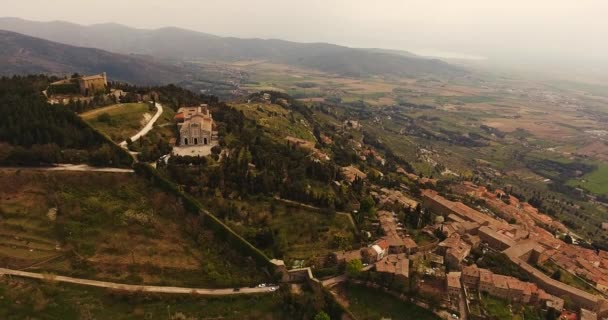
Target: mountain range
<point>21,54</point>
<point>179,45</point>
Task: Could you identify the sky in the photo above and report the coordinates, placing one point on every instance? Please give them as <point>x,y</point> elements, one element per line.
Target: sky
<point>572,33</point>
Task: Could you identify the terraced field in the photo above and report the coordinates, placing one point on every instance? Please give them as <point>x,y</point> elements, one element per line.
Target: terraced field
<point>109,226</point>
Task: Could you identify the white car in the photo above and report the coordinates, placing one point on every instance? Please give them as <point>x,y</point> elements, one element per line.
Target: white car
<point>261,285</point>
<point>273,288</point>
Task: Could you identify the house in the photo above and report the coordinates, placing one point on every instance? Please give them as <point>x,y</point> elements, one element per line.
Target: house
<point>587,315</point>
<point>410,245</point>
<point>495,239</point>
<point>470,276</point>
<point>454,286</point>
<point>508,288</point>
<point>395,268</point>
<point>500,286</point>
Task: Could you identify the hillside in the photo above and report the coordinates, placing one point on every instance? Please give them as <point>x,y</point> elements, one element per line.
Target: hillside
<point>21,54</point>
<point>180,44</point>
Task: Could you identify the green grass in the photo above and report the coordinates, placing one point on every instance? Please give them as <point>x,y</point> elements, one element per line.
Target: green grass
<point>123,121</point>
<point>596,181</point>
<point>497,308</point>
<point>500,309</point>
<point>566,277</point>
<point>305,234</point>
<point>278,121</point>
<point>25,299</point>
<point>369,303</point>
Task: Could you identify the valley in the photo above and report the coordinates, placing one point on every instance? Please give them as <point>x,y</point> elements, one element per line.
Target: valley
<point>228,178</point>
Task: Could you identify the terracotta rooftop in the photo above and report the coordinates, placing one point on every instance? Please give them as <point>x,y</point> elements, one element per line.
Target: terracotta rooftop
<point>454,280</point>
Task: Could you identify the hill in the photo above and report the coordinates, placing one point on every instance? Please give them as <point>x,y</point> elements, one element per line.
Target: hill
<point>180,44</point>
<point>21,54</point>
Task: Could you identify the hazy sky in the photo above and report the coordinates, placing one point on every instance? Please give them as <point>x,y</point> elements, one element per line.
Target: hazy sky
<point>537,30</point>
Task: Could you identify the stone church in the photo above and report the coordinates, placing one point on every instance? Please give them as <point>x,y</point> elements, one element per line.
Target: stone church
<point>196,127</point>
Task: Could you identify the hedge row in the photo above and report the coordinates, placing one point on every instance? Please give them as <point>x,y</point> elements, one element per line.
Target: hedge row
<point>192,205</point>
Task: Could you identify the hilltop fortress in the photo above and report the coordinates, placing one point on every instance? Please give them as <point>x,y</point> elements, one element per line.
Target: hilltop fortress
<point>85,85</point>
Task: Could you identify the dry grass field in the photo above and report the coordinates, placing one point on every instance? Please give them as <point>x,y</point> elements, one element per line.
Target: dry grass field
<point>107,226</point>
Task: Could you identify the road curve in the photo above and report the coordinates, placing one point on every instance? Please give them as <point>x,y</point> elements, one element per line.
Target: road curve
<point>134,288</point>
<point>147,127</point>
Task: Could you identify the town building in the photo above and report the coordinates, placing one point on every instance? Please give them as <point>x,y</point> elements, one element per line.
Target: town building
<point>587,315</point>
<point>527,252</point>
<point>454,286</point>
<point>508,288</point>
<point>395,268</point>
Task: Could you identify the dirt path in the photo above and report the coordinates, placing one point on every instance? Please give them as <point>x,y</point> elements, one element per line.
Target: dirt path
<point>147,127</point>
<point>135,288</point>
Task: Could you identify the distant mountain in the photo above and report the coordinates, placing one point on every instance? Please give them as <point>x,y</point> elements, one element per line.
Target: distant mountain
<point>21,54</point>
<point>185,45</point>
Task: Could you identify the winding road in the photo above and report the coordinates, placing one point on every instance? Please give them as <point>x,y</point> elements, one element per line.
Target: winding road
<point>137,288</point>
<point>71,167</point>
<point>147,127</point>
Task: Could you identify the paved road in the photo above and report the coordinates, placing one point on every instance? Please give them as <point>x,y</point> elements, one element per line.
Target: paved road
<point>147,127</point>
<point>72,167</point>
<point>135,288</point>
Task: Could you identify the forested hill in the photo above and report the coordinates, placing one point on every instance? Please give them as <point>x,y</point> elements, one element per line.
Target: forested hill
<point>20,54</point>
<point>33,132</point>
<point>184,45</point>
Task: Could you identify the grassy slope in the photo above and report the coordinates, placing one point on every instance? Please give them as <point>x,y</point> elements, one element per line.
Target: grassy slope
<point>109,226</point>
<point>310,234</point>
<point>368,303</point>
<point>126,119</point>
<point>276,120</point>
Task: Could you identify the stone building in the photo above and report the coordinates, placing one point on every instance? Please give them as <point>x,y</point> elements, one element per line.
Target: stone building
<point>85,85</point>
<point>90,85</point>
<point>196,127</point>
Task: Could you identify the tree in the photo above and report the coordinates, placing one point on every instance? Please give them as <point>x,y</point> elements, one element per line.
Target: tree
<point>354,267</point>
<point>556,275</point>
<point>552,314</point>
<point>322,316</point>
<point>568,239</point>
<point>367,205</point>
